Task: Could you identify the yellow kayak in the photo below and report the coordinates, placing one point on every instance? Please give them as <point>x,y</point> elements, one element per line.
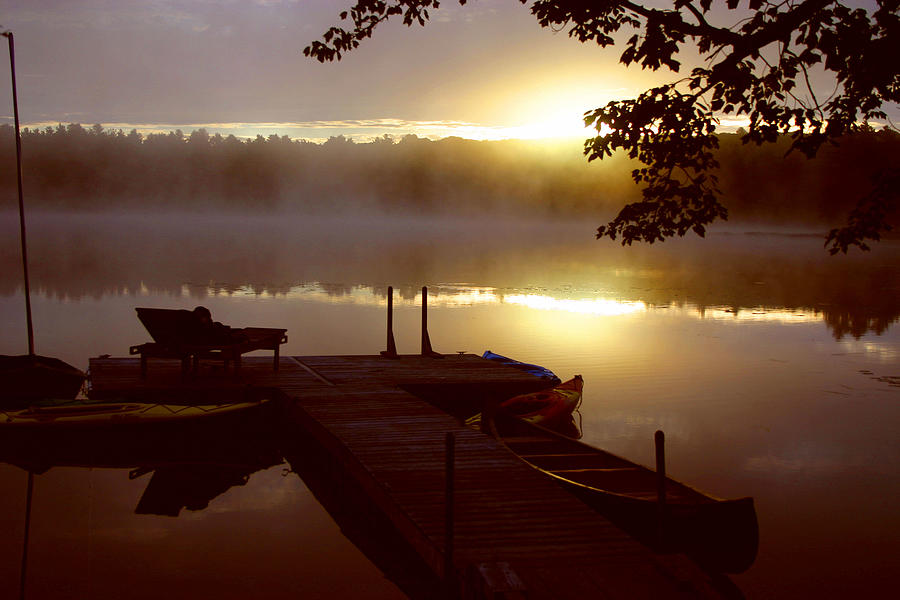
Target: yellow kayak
<point>90,415</point>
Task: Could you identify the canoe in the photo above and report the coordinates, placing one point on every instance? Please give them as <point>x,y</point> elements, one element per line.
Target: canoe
<point>721,535</point>
<point>549,407</point>
<point>27,378</point>
<point>536,370</point>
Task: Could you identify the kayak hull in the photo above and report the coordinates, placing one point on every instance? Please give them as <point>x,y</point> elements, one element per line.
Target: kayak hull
<point>548,407</point>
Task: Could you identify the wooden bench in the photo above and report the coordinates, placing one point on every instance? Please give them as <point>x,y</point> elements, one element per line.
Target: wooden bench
<point>176,334</point>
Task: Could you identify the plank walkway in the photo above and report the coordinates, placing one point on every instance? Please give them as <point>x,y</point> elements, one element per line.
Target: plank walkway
<point>508,517</point>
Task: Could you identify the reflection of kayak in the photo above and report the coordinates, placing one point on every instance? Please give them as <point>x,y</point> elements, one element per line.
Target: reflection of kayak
<point>547,407</point>
<point>190,466</point>
<point>722,535</point>
<point>568,428</point>
<point>536,370</point>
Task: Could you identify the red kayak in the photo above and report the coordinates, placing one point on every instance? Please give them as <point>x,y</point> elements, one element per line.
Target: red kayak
<point>547,407</point>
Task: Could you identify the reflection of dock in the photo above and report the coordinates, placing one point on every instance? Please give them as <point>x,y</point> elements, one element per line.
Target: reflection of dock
<point>516,534</point>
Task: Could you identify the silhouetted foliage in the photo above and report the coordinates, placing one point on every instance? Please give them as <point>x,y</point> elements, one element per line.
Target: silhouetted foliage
<point>758,68</point>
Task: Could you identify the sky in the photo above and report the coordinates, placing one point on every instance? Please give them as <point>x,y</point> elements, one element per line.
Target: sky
<point>483,71</point>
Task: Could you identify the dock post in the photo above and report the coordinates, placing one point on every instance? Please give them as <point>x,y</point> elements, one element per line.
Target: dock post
<point>488,413</point>
<point>391,351</point>
<point>660,440</point>
<point>449,500</point>
<point>426,342</point>
<point>23,574</point>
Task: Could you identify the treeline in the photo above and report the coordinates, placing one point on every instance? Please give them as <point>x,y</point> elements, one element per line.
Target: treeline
<point>73,167</point>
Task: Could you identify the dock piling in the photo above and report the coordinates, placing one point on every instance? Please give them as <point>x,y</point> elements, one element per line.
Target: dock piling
<point>391,351</point>
<point>23,574</point>
<point>449,500</point>
<point>426,341</point>
<point>660,440</point>
<point>488,413</point>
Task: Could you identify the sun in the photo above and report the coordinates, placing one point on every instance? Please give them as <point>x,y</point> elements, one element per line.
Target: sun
<point>554,110</point>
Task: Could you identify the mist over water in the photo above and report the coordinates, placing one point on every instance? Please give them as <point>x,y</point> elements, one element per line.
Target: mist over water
<point>77,255</point>
<point>770,365</point>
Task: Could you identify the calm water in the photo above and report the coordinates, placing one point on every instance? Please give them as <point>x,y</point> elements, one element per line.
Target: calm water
<point>773,368</point>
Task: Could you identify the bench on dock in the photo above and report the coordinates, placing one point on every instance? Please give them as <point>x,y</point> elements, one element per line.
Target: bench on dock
<point>176,335</point>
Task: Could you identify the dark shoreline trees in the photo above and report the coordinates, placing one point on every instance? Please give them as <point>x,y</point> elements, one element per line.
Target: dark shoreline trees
<point>90,168</point>
<point>758,60</point>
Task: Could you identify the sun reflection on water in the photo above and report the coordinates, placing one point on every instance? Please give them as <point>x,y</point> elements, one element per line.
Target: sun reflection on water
<point>594,306</point>
<point>762,314</point>
<point>463,295</point>
<point>883,352</point>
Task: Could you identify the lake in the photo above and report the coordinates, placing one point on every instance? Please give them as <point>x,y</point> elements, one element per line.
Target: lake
<point>773,368</point>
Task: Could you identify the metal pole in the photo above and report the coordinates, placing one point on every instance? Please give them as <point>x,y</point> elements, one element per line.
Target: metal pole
<point>391,351</point>
<point>660,440</point>
<point>24,571</point>
<point>449,500</point>
<point>426,341</point>
<point>12,70</point>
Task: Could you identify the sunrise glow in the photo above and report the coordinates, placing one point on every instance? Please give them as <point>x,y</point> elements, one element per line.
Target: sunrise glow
<point>593,306</point>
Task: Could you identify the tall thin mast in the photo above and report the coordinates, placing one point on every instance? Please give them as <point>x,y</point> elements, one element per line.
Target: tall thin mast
<point>12,70</point>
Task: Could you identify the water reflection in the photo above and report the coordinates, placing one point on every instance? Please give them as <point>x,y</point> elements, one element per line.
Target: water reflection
<point>228,542</point>
<point>554,266</point>
<point>201,475</point>
<point>591,306</point>
<point>721,343</point>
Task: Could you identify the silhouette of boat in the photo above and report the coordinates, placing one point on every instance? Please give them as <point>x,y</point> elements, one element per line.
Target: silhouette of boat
<point>30,377</point>
<point>549,407</point>
<point>721,535</point>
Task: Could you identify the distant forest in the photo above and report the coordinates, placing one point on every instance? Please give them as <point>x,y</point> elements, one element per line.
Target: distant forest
<point>95,169</point>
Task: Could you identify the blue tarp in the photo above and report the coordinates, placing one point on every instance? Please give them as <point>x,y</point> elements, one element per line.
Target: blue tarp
<point>536,370</point>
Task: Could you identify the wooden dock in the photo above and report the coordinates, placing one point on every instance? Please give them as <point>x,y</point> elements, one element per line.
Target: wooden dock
<point>516,534</point>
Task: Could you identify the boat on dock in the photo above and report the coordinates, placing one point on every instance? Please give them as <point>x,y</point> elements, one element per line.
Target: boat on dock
<point>721,535</point>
